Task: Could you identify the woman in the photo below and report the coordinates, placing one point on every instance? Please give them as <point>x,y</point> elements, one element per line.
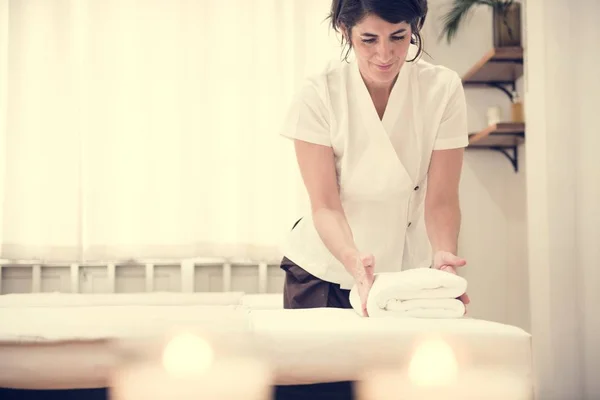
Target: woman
<point>379,142</point>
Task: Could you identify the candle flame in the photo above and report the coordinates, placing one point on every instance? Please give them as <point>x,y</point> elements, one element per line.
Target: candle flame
<point>433,364</point>
<point>187,355</point>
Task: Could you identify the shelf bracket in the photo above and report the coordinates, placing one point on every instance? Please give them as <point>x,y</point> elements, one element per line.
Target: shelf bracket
<point>501,86</point>
<point>514,158</point>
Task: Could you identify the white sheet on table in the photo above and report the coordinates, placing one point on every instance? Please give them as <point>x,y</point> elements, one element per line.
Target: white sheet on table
<point>55,299</point>
<point>267,301</point>
<point>317,345</point>
<point>34,324</point>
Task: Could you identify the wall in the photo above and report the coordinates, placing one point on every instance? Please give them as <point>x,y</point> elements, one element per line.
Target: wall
<point>493,236</point>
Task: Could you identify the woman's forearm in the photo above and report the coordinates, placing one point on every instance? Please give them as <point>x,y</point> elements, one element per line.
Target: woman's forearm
<point>333,228</point>
<point>442,220</point>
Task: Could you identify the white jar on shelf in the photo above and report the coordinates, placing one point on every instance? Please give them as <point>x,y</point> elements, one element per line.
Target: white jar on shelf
<point>494,115</point>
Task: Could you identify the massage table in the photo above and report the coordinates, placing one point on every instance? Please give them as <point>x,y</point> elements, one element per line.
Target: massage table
<point>64,341</point>
<point>81,332</point>
<point>334,345</point>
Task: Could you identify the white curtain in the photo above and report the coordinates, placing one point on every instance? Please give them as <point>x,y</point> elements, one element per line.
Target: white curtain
<point>563,191</point>
<point>149,128</point>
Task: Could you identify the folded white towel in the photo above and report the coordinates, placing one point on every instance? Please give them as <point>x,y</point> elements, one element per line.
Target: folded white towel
<point>422,308</point>
<point>419,292</point>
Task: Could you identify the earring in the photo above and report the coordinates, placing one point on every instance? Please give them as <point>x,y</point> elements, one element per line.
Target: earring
<point>413,39</point>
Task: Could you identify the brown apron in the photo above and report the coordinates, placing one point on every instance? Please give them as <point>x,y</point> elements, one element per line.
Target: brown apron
<point>303,290</point>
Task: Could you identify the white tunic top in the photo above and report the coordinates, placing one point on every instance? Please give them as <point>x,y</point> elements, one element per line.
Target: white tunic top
<point>381,164</point>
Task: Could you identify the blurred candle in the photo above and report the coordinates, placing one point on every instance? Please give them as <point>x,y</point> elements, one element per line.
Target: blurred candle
<point>433,373</point>
<point>189,370</point>
<point>433,364</point>
<point>187,355</point>
<point>480,384</point>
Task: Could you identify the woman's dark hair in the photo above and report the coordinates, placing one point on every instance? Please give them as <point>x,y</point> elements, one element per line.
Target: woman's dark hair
<point>347,13</point>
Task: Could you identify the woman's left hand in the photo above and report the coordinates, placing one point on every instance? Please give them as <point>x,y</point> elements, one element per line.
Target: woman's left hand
<point>446,261</point>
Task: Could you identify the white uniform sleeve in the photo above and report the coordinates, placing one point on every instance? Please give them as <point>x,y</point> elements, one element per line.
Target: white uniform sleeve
<point>307,119</point>
<point>452,132</point>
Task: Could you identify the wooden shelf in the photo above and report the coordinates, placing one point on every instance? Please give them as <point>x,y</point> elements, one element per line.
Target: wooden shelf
<point>502,137</point>
<point>504,134</point>
<point>500,66</point>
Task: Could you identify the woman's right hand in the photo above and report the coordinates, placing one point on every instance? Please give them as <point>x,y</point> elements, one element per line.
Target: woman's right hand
<point>362,268</point>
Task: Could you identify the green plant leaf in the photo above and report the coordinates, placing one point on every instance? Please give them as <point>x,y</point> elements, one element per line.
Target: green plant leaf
<point>460,9</point>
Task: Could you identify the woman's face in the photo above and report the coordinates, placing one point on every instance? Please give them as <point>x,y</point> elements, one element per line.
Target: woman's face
<point>380,48</point>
